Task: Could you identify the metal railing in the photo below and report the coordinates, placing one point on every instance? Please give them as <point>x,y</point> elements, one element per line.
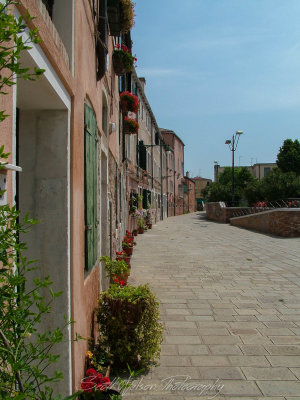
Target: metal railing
<point>266,206</point>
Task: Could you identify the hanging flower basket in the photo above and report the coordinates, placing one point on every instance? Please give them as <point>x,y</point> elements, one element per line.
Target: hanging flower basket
<point>131,126</point>
<point>127,15</point>
<point>129,102</point>
<point>123,60</point>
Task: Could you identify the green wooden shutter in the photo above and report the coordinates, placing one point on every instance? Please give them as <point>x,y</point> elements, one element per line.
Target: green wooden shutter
<point>90,186</point>
<point>142,155</point>
<point>145,198</point>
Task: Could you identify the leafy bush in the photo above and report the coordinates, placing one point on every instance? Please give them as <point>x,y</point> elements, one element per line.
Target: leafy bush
<point>280,185</point>
<point>129,325</point>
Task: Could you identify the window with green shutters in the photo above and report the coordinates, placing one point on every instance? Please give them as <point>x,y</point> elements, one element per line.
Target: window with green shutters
<point>90,187</point>
<point>142,155</point>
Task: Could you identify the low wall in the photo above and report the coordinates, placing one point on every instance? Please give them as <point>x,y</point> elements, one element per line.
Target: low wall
<point>216,212</point>
<point>281,222</point>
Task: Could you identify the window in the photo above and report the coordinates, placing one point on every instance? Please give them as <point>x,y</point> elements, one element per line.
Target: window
<point>104,114</point>
<point>90,187</point>
<point>142,155</point>
<point>49,6</point>
<point>146,199</point>
<point>128,149</point>
<point>135,158</point>
<point>149,163</point>
<point>266,170</point>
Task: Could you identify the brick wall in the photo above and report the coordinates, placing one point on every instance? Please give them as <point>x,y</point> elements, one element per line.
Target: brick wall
<point>281,222</point>
<point>215,212</point>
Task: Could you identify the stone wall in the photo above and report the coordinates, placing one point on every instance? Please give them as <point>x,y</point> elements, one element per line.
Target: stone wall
<point>281,222</point>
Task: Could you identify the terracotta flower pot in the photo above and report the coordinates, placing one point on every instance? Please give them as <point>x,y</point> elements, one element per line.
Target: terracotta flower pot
<point>141,230</point>
<point>149,226</point>
<point>135,233</point>
<point>127,260</point>
<point>128,250</point>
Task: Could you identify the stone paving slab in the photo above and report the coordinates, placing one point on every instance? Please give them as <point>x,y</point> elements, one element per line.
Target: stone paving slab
<point>230,306</point>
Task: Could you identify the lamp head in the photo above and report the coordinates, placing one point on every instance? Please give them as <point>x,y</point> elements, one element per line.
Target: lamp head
<point>239,132</point>
<point>228,142</point>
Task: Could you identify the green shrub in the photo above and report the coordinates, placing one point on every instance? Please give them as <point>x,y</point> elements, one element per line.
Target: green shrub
<point>129,325</point>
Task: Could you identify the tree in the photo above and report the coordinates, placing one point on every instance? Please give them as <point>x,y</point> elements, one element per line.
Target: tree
<point>242,176</point>
<point>11,47</point>
<point>222,190</point>
<point>277,185</point>
<point>288,158</point>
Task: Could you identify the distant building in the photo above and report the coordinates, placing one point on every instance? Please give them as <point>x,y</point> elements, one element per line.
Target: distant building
<point>200,184</point>
<point>189,194</point>
<point>259,170</point>
<point>175,172</point>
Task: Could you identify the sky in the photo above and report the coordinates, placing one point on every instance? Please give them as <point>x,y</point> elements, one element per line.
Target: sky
<point>213,67</point>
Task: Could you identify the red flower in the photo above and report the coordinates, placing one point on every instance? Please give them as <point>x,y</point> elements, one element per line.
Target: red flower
<point>87,385</point>
<point>105,381</point>
<point>91,372</point>
<point>122,283</point>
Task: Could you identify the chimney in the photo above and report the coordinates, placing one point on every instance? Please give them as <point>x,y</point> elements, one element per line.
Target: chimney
<point>143,83</point>
<point>187,174</point>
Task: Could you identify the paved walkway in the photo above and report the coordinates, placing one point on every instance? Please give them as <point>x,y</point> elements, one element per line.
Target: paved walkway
<point>230,305</point>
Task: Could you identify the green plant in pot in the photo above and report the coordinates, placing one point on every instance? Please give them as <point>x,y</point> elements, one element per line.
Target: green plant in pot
<point>129,102</point>
<point>127,245</point>
<point>129,325</point>
<point>140,201</point>
<point>131,126</point>
<point>123,60</point>
<point>117,270</point>
<point>141,225</point>
<point>149,219</point>
<point>127,15</point>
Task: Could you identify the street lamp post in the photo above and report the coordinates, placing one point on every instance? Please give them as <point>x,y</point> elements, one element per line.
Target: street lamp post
<point>232,144</point>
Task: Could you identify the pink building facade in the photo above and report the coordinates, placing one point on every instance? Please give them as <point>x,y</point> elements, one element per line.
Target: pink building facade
<point>175,172</point>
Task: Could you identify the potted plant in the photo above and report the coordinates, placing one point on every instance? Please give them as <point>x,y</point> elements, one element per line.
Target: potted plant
<point>95,386</point>
<point>129,102</point>
<point>120,15</point>
<point>140,201</point>
<point>117,270</point>
<point>133,312</point>
<point>127,245</point>
<point>123,60</point>
<point>131,125</point>
<point>141,225</point>
<point>135,232</point>
<point>149,219</point>
<point>122,255</point>
<point>127,15</point>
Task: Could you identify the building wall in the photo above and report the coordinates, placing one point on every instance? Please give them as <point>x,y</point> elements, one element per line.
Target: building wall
<point>259,171</point>
<point>189,195</point>
<point>51,150</point>
<point>175,171</point>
